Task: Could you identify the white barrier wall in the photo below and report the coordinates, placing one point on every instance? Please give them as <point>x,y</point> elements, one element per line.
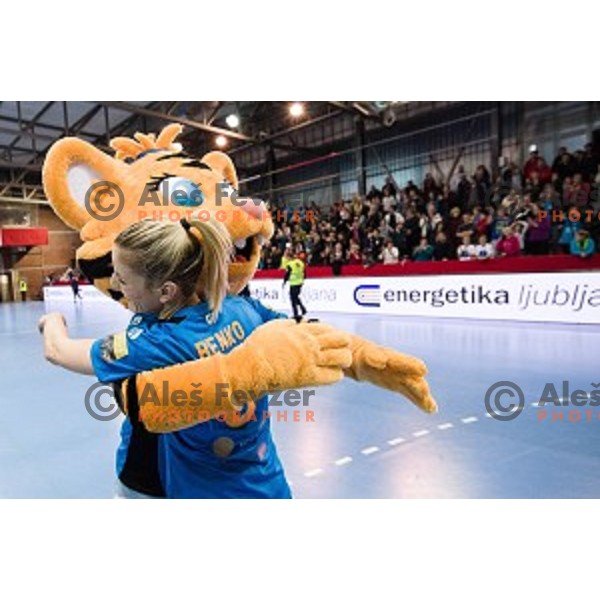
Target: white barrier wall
<point>64,292</point>
<point>569,297</point>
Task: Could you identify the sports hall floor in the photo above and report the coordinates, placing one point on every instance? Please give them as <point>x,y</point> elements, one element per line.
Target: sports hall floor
<point>364,442</point>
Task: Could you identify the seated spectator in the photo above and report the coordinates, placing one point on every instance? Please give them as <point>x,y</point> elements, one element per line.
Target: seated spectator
<point>511,177</point>
<point>412,230</point>
<point>500,222</point>
<point>509,244</point>
<point>484,249</point>
<point>568,233</point>
<point>367,260</point>
<point>466,251</point>
<point>482,220</point>
<point>389,200</point>
<point>389,187</point>
<point>433,215</point>
<point>563,165</point>
<point>354,254</point>
<point>373,193</point>
<point>543,171</point>
<point>537,237</point>
<point>411,188</point>
<point>345,212</point>
<point>442,250</point>
<point>549,199</point>
<point>466,229</point>
<point>583,245</point>
<point>337,259</point>
<point>390,254</point>
<point>577,192</point>
<point>399,239</point>
<point>481,185</point>
<point>423,252</point>
<point>510,203</point>
<point>523,209</point>
<point>429,185</point>
<point>391,218</point>
<point>533,186</point>
<point>536,163</point>
<point>454,223</point>
<point>373,216</point>
<point>357,206</point>
<point>520,229</point>
<point>463,189</point>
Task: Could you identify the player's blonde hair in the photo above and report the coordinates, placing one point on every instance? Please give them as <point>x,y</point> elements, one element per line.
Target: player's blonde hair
<point>186,253</point>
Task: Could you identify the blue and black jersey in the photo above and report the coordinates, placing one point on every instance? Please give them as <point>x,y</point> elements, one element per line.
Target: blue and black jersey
<point>208,460</point>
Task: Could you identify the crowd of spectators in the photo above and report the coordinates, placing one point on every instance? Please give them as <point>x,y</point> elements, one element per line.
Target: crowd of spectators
<point>469,217</point>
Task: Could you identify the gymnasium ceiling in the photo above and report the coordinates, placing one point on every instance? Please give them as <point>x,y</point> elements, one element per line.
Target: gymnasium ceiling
<point>27,129</point>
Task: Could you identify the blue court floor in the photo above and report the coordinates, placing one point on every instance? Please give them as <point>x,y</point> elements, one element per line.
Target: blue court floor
<point>364,442</point>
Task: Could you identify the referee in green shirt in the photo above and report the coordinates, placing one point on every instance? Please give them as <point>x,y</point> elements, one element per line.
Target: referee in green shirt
<point>294,273</point>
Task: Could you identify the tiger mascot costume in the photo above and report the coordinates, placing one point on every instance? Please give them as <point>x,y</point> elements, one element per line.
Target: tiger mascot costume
<point>99,195</point>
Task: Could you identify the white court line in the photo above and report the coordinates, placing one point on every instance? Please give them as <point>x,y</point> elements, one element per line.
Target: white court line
<point>396,441</point>
<point>393,442</point>
<point>467,420</point>
<point>313,473</point>
<point>445,426</point>
<point>369,450</point>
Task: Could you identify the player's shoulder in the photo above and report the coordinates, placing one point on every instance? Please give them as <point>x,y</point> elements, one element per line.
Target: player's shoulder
<point>241,302</point>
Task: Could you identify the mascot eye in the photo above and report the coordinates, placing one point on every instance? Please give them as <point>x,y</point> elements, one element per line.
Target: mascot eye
<point>182,191</point>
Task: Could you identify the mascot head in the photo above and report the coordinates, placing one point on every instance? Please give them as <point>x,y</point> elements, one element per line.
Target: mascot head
<point>149,177</point>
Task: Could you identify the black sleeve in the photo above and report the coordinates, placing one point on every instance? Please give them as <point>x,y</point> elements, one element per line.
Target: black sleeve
<point>131,401</point>
<point>288,272</point>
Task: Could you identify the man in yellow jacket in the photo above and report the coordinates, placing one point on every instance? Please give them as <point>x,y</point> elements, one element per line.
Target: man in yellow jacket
<point>23,290</point>
<point>294,273</point>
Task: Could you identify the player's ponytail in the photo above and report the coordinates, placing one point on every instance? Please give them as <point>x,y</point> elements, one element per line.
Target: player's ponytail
<point>216,248</point>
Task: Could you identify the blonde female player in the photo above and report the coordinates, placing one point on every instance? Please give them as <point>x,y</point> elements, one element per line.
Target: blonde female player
<point>157,266</point>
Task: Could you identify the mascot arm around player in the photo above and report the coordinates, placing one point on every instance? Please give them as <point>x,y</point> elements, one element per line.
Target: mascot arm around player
<point>151,177</point>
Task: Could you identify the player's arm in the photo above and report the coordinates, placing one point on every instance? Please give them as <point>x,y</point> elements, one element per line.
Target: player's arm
<point>61,350</point>
<point>288,272</point>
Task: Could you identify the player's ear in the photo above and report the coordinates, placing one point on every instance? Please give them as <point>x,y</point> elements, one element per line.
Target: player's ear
<point>169,291</point>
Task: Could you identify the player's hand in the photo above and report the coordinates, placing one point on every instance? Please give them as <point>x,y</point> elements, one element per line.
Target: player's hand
<point>51,318</point>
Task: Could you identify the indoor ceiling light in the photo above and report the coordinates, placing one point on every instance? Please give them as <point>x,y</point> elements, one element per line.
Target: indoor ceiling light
<point>296,109</point>
<point>232,121</point>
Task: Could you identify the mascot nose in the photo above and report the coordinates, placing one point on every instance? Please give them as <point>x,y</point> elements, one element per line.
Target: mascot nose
<point>254,207</point>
